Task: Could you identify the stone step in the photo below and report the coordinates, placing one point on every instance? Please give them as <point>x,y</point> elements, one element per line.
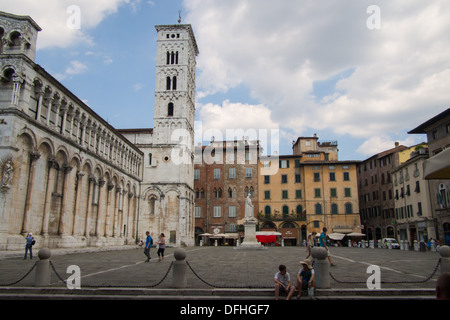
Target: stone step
<point>206,294</point>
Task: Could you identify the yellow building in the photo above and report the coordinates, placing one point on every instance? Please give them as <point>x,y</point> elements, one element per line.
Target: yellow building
<point>304,192</point>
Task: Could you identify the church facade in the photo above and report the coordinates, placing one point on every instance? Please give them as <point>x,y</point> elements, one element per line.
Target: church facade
<point>73,180</point>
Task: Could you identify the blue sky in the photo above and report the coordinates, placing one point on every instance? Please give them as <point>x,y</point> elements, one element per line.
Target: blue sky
<point>334,68</point>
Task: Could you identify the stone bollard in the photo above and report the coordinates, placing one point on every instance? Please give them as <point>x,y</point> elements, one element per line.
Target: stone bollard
<point>433,246</point>
<point>321,267</point>
<point>42,275</point>
<point>179,279</point>
<point>402,244</point>
<point>416,245</point>
<point>444,251</point>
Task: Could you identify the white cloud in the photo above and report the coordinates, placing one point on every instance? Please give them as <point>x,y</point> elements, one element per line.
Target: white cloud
<point>76,67</point>
<point>280,49</point>
<point>138,86</point>
<point>58,25</point>
<point>231,119</point>
<point>381,143</point>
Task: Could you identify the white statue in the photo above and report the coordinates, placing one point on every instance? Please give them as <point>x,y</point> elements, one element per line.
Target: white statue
<point>248,208</point>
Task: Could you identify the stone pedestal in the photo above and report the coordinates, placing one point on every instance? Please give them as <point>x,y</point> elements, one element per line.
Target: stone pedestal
<point>445,259</point>
<point>42,275</point>
<point>179,279</point>
<point>321,267</point>
<point>250,241</point>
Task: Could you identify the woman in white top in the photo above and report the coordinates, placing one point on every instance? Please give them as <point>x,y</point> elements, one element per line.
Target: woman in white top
<point>161,247</point>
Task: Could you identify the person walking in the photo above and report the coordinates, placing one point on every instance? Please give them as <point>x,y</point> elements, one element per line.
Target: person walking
<point>29,245</point>
<point>161,247</point>
<point>311,243</point>
<point>148,245</point>
<point>323,244</point>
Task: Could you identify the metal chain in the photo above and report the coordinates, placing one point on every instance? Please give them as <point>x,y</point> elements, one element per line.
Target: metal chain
<point>116,286</point>
<point>13,283</point>
<point>390,282</point>
<point>56,272</point>
<point>226,287</point>
<point>207,283</point>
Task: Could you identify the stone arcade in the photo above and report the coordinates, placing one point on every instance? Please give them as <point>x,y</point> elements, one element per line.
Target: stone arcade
<point>72,179</point>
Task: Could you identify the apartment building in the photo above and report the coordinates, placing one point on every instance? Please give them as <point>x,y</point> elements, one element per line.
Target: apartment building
<point>437,170</point>
<point>225,172</point>
<point>310,190</point>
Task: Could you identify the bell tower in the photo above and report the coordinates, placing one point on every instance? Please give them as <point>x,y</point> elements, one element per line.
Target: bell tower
<point>171,175</point>
<point>175,81</point>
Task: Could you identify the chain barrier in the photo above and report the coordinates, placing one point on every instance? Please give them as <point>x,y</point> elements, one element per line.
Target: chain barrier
<point>116,286</point>
<point>390,282</point>
<point>207,283</point>
<point>16,282</point>
<point>226,287</point>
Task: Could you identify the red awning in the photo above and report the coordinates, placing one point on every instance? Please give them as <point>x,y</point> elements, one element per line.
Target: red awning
<point>266,239</point>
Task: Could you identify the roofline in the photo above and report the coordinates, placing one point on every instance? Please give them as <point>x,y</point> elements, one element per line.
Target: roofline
<point>19,17</point>
<point>421,128</point>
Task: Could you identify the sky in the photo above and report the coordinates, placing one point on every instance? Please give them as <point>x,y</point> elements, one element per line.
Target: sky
<point>359,72</point>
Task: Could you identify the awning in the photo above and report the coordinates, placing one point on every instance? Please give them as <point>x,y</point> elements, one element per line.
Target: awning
<point>268,233</point>
<point>218,235</point>
<point>266,239</point>
<point>336,236</point>
<point>356,234</point>
<point>438,167</point>
<point>342,230</point>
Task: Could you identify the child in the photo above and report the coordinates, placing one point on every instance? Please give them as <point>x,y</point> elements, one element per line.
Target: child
<point>283,283</point>
<point>305,279</point>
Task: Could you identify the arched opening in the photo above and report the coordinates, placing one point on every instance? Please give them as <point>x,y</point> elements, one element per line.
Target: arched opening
<point>174,83</point>
<point>170,110</point>
<point>267,211</point>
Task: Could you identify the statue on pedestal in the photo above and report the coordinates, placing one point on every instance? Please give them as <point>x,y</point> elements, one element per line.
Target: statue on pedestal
<point>250,241</point>
<point>249,209</point>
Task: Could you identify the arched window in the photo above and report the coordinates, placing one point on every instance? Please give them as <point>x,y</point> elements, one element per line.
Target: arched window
<point>168,83</point>
<point>318,208</point>
<point>170,110</point>
<point>299,211</point>
<point>267,211</point>
<point>348,208</point>
<point>174,83</point>
<point>152,206</point>
<point>230,193</point>
<point>285,210</point>
<point>334,208</point>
